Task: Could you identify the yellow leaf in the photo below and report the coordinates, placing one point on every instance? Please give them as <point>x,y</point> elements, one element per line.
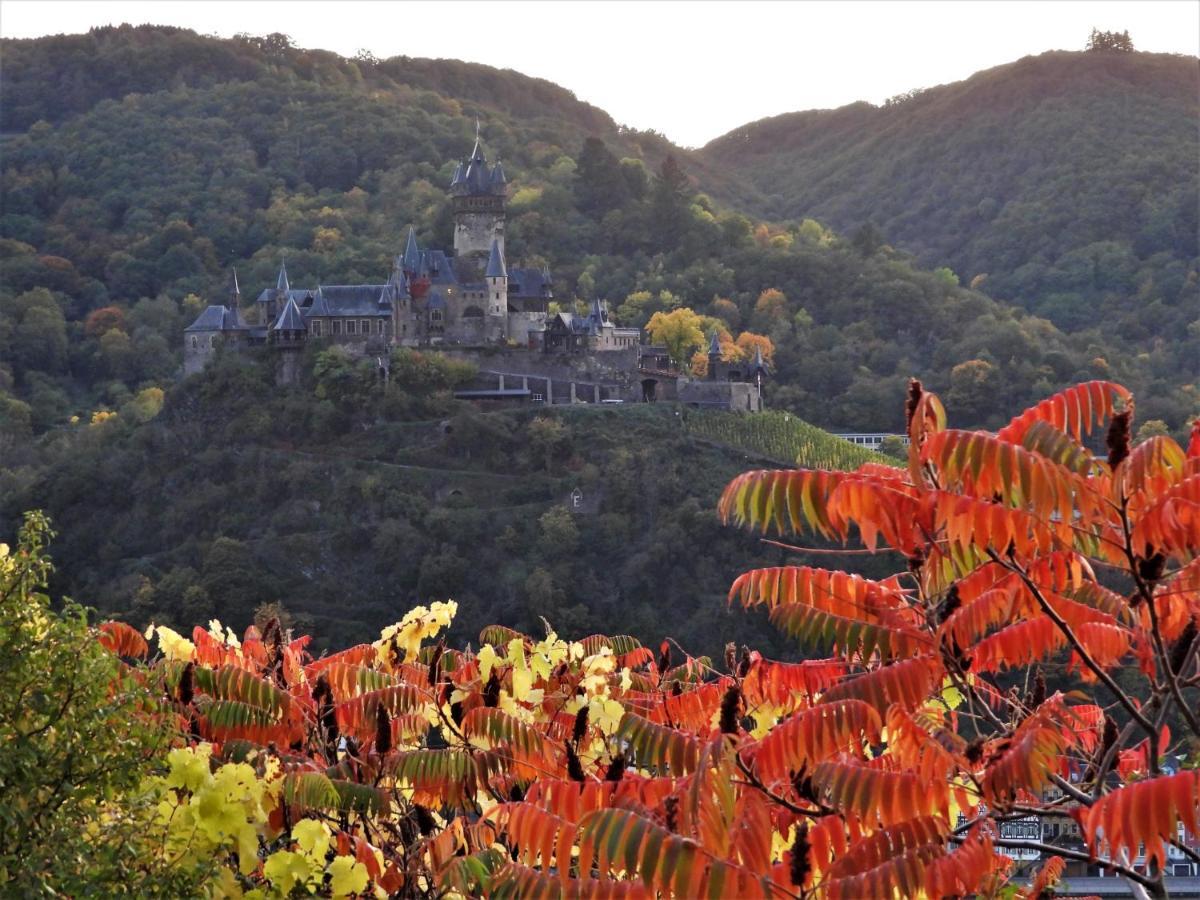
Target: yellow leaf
<point>313,837</point>
<point>347,876</point>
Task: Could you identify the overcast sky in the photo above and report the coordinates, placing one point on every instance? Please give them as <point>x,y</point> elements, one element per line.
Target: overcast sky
<point>691,70</point>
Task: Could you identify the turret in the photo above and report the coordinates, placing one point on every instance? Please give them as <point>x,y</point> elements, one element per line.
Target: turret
<point>273,301</point>
<point>233,291</point>
<point>411,260</point>
<point>479,194</point>
<point>714,356</point>
<point>496,276</point>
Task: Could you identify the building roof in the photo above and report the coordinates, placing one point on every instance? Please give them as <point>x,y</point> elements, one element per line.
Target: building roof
<point>714,346</point>
<point>434,300</point>
<point>437,267</point>
<point>281,283</point>
<point>495,264</point>
<point>528,282</point>
<point>352,300</point>
<point>412,252</point>
<point>759,364</point>
<point>290,319</point>
<point>217,318</point>
<point>498,181</point>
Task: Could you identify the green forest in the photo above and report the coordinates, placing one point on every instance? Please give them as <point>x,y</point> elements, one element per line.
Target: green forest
<point>1064,183</point>
<point>239,495</point>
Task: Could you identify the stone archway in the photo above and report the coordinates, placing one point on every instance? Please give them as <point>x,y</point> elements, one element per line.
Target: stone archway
<point>649,390</point>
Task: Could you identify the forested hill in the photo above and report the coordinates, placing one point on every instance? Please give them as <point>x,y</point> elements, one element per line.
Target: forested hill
<point>53,79</point>
<point>1069,180</point>
<point>140,164</point>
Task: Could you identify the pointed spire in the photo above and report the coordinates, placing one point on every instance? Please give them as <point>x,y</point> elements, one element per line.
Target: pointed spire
<point>495,264</point>
<point>714,346</point>
<point>477,153</point>
<point>282,283</point>
<point>498,182</point>
<point>759,364</point>
<point>233,290</point>
<point>457,178</point>
<point>290,319</point>
<point>412,253</point>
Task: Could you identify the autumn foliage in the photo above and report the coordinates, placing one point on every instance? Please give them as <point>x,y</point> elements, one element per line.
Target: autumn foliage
<point>878,760</point>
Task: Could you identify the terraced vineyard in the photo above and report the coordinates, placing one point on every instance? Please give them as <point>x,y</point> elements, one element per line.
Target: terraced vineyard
<point>780,436</point>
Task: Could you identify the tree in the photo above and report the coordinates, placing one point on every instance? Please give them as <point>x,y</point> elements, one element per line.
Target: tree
<point>866,239</point>
<point>548,437</point>
<point>748,343</point>
<point>670,196</point>
<point>1101,41</point>
<point>882,763</point>
<point>81,736</point>
<point>679,330</point>
<point>600,183</point>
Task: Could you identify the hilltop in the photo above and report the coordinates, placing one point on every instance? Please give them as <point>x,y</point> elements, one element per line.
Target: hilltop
<point>1065,183</point>
<point>172,157</point>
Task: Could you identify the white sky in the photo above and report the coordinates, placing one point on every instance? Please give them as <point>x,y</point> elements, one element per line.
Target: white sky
<point>691,70</point>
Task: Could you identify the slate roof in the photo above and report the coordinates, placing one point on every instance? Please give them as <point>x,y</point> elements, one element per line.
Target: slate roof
<point>351,300</point>
<point>281,284</point>
<point>300,295</point>
<point>290,319</point>
<point>495,264</point>
<point>714,346</point>
<point>498,181</point>
<point>534,283</point>
<point>412,252</point>
<point>437,267</point>
<point>217,318</point>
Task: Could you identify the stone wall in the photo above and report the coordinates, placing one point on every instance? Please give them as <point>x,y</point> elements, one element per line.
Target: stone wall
<point>739,396</point>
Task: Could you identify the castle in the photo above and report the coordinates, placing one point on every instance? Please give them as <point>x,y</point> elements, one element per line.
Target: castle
<point>470,298</point>
<point>470,303</point>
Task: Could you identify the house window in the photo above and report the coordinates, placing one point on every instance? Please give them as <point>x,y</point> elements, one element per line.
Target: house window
<point>212,340</point>
<point>436,315</point>
<point>316,329</point>
<point>195,343</point>
<point>351,326</point>
<point>365,326</point>
<point>337,326</point>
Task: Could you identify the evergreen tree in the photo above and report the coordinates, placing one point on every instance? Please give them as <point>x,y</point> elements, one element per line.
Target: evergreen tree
<point>600,183</point>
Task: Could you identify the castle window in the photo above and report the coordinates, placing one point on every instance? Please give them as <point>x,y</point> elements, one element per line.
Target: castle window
<point>195,343</point>
<point>337,326</point>
<point>366,326</point>
<point>212,340</point>
<point>316,329</point>
<point>351,326</point>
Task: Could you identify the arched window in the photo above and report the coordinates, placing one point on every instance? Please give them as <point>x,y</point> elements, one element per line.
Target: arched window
<point>195,343</point>
<point>212,340</point>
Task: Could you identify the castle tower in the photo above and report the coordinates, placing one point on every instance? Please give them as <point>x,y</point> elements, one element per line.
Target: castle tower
<point>272,302</point>
<point>479,195</point>
<point>714,357</point>
<point>288,335</point>
<point>496,277</point>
